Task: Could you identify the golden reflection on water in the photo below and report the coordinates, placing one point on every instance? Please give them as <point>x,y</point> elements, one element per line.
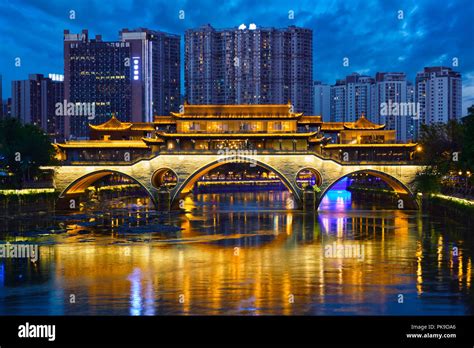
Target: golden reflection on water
<point>260,280</point>
<point>241,262</point>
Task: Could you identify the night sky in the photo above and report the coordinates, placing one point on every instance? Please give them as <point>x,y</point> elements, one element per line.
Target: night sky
<point>369,33</point>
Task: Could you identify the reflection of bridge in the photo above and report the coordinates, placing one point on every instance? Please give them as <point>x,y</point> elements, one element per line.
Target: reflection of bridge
<point>189,168</point>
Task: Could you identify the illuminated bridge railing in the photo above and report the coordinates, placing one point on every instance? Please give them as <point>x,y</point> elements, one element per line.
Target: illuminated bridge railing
<point>389,160</point>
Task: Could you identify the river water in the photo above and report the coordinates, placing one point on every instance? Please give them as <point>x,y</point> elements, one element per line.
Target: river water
<point>238,253</point>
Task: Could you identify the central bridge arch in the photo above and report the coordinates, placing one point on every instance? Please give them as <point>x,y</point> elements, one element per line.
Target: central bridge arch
<point>187,184</point>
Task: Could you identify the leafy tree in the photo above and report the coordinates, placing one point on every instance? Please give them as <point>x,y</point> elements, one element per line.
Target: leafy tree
<point>428,181</point>
<point>23,149</point>
<point>440,142</point>
<point>467,154</point>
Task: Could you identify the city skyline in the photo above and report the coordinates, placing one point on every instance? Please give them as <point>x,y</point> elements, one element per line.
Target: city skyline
<point>407,45</point>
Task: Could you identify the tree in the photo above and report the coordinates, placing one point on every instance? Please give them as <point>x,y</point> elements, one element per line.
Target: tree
<point>467,154</point>
<point>442,146</point>
<point>23,149</point>
<point>447,148</point>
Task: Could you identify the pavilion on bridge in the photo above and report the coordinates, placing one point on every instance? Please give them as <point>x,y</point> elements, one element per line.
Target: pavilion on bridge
<point>263,128</point>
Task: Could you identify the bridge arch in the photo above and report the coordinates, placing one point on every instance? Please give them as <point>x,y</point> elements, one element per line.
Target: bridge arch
<point>82,183</point>
<point>187,184</point>
<point>399,187</point>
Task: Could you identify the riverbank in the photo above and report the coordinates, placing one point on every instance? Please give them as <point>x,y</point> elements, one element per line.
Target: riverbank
<point>27,200</point>
<point>45,199</point>
<point>450,207</point>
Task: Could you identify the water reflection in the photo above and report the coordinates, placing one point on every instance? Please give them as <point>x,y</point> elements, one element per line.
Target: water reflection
<point>238,253</point>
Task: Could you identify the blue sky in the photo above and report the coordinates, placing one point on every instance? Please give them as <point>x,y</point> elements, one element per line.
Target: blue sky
<point>369,33</point>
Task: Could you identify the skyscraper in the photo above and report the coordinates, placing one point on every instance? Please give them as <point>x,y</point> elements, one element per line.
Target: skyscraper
<point>134,78</point>
<point>439,92</point>
<point>249,66</point>
<point>34,102</point>
<point>322,100</point>
<point>156,88</point>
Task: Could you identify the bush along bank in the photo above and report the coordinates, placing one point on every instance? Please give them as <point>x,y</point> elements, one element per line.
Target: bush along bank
<point>450,207</point>
<point>27,199</point>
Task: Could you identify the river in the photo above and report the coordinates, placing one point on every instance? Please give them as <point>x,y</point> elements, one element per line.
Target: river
<point>238,253</point>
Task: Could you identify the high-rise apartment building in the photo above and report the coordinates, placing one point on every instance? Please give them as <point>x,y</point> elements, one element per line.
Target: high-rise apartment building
<point>352,97</point>
<point>338,101</point>
<point>249,66</point>
<point>322,100</point>
<point>359,97</point>
<point>34,102</point>
<point>439,92</point>
<point>135,78</point>
<point>391,100</point>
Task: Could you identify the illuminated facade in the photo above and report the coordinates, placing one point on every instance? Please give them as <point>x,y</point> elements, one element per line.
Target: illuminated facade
<point>271,129</point>
<point>34,102</point>
<point>249,65</point>
<point>134,78</point>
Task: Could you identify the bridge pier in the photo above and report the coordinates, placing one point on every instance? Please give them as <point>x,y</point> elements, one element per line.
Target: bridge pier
<point>309,200</point>
<point>162,200</point>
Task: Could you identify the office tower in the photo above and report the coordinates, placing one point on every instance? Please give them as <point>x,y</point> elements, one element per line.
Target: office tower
<point>134,78</point>
<point>439,93</point>
<point>156,88</point>
<point>249,66</point>
<point>322,100</point>
<point>34,102</point>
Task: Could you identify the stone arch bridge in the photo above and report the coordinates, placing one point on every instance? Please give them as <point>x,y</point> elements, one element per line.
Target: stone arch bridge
<point>74,179</point>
